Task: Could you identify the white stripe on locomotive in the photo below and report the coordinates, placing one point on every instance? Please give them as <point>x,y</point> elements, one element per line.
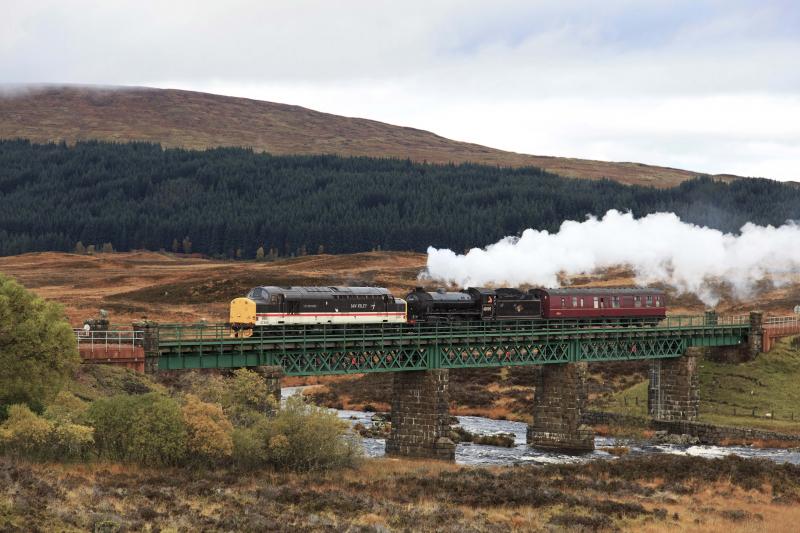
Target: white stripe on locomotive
<point>273,319</point>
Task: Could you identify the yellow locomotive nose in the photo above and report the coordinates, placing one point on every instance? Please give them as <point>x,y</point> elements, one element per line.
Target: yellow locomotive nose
<point>243,317</point>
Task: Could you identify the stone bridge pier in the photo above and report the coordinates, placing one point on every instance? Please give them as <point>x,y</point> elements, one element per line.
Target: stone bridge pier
<point>272,380</point>
<point>559,400</point>
<point>421,416</point>
<point>673,390</point>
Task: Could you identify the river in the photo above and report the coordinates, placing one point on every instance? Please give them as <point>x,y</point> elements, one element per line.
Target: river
<point>521,453</point>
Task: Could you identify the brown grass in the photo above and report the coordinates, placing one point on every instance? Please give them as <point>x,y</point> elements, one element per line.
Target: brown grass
<point>173,288</point>
<point>170,288</point>
<point>197,120</point>
<point>631,494</point>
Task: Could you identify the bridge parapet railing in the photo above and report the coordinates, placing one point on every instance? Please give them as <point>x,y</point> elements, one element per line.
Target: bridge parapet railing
<point>781,324</point>
<point>117,337</point>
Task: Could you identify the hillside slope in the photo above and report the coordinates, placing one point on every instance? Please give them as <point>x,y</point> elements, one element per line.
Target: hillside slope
<point>197,120</point>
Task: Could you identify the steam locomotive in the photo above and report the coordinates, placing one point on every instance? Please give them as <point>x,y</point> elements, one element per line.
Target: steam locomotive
<point>276,306</point>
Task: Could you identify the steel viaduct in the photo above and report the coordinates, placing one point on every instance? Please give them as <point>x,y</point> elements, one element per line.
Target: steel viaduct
<point>421,355</point>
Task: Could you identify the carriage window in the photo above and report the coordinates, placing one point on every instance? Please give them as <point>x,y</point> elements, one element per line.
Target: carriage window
<point>615,301</point>
<point>637,301</point>
<point>658,301</point>
<point>574,301</point>
<point>581,302</point>
<point>563,302</point>
<point>596,302</point>
<point>649,301</point>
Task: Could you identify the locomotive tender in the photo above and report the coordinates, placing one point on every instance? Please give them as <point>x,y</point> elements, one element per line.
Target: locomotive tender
<point>276,306</point>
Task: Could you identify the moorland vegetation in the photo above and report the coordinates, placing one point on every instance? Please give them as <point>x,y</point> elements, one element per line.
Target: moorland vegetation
<point>209,421</point>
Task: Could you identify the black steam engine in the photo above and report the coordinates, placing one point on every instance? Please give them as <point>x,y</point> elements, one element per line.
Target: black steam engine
<point>472,304</point>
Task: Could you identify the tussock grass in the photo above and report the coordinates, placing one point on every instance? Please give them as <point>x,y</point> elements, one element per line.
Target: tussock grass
<point>633,493</point>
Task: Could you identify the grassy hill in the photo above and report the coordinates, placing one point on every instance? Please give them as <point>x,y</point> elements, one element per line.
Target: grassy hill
<point>197,120</point>
<point>760,393</point>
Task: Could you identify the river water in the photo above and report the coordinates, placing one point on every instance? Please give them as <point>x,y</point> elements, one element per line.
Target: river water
<point>472,454</point>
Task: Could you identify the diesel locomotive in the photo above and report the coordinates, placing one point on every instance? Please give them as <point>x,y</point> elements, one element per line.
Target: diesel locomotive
<point>276,306</point>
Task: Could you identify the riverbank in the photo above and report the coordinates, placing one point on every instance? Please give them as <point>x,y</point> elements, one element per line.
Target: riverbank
<point>642,494</point>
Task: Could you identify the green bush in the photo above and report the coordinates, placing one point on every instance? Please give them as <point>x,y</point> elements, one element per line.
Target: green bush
<point>158,434</point>
<point>249,449</point>
<point>306,437</point>
<point>26,434</point>
<point>71,442</point>
<point>243,397</point>
<point>66,408</point>
<point>39,352</point>
<point>112,419</point>
<point>300,436</point>
<point>246,398</point>
<point>147,428</point>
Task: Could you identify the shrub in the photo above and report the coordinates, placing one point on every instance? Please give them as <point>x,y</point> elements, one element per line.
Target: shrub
<point>243,397</point>
<point>249,449</point>
<point>72,441</point>
<point>158,434</point>
<point>147,428</point>
<point>26,434</point>
<point>209,432</point>
<point>302,436</point>
<point>39,350</point>
<point>112,419</point>
<point>66,408</point>
<point>246,396</point>
<point>206,386</point>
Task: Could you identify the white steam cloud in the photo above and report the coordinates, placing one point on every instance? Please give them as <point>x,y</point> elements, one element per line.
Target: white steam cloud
<point>658,247</point>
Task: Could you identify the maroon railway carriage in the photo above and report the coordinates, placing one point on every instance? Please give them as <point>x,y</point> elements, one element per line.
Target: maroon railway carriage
<point>648,305</point>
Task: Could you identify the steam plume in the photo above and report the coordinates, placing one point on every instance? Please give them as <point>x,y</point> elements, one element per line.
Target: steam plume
<point>658,247</point>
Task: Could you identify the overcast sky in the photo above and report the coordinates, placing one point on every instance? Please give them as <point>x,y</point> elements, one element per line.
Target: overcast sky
<point>712,86</point>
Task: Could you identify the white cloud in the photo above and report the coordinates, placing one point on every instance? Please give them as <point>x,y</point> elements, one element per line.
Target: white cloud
<point>707,85</point>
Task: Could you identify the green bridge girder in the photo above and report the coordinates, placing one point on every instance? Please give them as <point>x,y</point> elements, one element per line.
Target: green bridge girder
<point>351,349</point>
